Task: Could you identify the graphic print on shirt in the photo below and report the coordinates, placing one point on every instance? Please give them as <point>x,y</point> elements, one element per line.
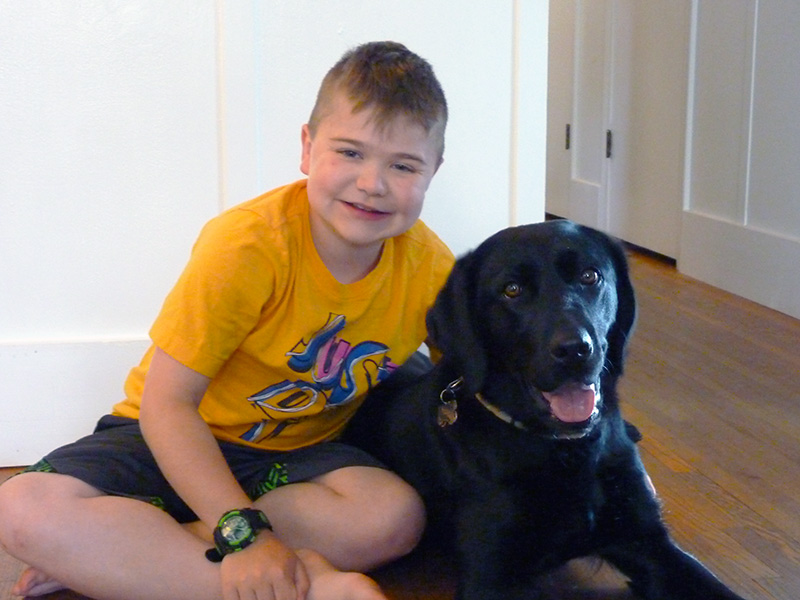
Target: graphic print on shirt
<point>333,367</point>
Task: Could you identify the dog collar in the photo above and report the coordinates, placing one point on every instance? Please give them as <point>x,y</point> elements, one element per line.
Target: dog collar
<point>448,409</point>
<point>499,413</point>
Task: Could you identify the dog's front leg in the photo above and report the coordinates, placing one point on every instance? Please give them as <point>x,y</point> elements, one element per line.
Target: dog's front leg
<point>482,586</point>
<point>495,554</point>
<point>660,570</point>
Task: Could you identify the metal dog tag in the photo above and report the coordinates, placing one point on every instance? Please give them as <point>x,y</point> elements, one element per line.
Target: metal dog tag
<point>448,413</point>
<point>448,409</point>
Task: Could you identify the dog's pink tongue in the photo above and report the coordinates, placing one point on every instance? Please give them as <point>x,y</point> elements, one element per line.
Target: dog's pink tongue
<point>572,403</point>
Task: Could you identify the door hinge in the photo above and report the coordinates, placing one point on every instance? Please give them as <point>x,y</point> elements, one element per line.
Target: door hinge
<point>608,143</point>
<point>567,137</point>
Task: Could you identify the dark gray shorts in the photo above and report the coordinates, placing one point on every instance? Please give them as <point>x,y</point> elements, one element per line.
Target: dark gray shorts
<point>116,460</point>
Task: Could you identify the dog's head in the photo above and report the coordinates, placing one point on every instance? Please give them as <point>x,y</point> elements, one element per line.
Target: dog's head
<point>537,319</point>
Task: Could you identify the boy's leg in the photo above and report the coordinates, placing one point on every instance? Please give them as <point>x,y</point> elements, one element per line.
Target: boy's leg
<point>112,547</point>
<point>357,517</point>
<point>102,546</point>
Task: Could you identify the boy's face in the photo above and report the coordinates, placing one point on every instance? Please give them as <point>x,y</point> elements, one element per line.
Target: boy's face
<point>365,183</point>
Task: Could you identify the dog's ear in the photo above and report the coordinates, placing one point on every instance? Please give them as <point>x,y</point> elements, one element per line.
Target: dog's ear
<point>626,310</point>
<point>451,323</point>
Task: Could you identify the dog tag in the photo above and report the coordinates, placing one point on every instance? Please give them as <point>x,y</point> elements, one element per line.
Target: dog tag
<point>448,413</point>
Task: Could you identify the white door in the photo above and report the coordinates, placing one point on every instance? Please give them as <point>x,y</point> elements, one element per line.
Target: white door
<point>578,111</point>
<point>617,79</point>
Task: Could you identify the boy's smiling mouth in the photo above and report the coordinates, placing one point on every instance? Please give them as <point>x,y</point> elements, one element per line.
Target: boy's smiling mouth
<point>366,209</point>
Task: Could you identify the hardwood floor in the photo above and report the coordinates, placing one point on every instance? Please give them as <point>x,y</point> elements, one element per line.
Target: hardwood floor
<point>713,382</point>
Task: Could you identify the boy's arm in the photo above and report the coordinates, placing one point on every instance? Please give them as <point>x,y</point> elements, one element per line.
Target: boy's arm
<point>182,442</point>
<point>190,458</point>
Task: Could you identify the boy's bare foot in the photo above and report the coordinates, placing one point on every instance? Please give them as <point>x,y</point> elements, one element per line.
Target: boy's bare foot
<point>34,582</point>
<point>329,584</point>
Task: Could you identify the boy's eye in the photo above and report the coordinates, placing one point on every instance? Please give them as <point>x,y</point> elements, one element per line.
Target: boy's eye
<point>405,168</point>
<point>347,153</point>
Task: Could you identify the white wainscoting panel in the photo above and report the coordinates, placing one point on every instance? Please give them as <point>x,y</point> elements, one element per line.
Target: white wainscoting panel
<point>64,387</point>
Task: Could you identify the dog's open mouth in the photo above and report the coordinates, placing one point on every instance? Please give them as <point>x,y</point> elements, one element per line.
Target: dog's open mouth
<point>573,409</point>
<point>573,403</point>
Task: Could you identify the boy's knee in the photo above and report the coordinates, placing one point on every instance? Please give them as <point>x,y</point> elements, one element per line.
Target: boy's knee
<point>399,527</point>
<point>27,503</point>
<point>17,505</point>
<point>412,518</point>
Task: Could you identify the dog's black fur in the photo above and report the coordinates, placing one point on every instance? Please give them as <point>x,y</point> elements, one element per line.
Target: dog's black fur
<point>534,309</point>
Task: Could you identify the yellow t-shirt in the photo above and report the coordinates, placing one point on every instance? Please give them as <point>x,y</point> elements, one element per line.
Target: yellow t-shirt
<point>290,350</point>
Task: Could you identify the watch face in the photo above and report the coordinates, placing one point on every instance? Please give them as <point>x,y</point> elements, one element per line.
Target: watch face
<point>236,529</point>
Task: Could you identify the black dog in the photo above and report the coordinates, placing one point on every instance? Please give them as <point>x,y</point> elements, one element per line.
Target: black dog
<point>515,439</point>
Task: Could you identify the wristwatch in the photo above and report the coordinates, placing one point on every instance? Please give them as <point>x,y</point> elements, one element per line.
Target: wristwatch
<point>236,530</point>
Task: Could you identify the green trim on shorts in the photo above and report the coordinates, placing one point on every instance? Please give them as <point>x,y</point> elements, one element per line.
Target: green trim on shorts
<point>40,467</point>
<point>44,466</point>
<point>277,477</point>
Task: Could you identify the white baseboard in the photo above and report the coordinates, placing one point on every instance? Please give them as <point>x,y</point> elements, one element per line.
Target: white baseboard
<point>54,393</point>
<point>752,263</point>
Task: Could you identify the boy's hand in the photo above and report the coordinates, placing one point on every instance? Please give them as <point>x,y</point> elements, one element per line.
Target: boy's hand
<point>265,570</point>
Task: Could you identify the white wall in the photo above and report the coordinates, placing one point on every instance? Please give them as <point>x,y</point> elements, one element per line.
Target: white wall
<point>126,125</point>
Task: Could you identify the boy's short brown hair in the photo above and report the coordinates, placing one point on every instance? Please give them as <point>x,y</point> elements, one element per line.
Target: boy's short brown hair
<point>389,78</point>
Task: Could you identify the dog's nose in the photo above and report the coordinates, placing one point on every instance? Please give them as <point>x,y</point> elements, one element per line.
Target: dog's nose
<point>575,347</point>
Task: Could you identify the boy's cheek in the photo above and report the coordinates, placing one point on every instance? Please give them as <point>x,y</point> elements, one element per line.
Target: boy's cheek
<point>424,183</point>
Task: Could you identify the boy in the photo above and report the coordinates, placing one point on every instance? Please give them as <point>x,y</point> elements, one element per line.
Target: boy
<point>291,307</point>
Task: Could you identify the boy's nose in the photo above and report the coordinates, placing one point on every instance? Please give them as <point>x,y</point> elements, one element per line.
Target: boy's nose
<point>371,181</point>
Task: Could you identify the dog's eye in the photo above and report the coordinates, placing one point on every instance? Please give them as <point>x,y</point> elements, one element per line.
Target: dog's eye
<point>512,290</point>
<point>590,277</point>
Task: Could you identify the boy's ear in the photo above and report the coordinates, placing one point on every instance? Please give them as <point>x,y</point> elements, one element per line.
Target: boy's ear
<point>305,158</point>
